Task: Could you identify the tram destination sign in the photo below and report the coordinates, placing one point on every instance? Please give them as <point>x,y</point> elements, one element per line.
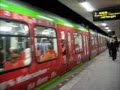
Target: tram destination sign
<point>111,14</point>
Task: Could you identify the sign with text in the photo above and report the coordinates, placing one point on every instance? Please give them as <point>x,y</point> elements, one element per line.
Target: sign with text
<point>111,14</point>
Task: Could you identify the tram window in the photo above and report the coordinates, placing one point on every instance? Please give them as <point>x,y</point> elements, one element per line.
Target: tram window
<point>45,43</point>
<point>78,42</point>
<point>14,45</point>
<point>70,43</point>
<point>93,40</point>
<point>104,41</point>
<point>101,41</point>
<point>63,43</point>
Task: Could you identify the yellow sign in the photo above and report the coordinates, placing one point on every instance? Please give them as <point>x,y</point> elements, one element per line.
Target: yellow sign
<point>106,15</point>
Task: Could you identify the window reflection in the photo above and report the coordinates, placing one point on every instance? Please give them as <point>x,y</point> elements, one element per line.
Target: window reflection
<point>14,45</point>
<point>45,43</point>
<point>78,42</point>
<point>12,28</point>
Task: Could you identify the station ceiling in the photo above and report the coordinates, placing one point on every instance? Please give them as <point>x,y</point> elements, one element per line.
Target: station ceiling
<point>73,11</point>
<point>113,25</point>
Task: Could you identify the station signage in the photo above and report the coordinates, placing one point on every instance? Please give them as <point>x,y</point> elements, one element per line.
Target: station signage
<point>110,14</point>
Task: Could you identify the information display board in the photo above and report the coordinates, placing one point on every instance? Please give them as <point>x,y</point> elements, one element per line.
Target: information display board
<point>110,14</point>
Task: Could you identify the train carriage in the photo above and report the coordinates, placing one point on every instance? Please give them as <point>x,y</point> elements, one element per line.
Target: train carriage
<point>94,44</point>
<point>34,50</point>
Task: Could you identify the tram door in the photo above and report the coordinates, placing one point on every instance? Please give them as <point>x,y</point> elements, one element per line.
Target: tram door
<point>86,49</point>
<point>70,50</point>
<point>66,50</point>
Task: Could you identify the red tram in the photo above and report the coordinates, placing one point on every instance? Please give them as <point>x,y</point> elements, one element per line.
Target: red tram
<point>33,51</point>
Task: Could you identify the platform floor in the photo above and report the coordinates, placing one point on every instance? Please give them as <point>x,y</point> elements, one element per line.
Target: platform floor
<point>102,74</point>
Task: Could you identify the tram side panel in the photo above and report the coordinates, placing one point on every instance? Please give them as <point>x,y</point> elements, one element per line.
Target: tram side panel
<point>85,46</point>
<point>39,68</point>
<point>102,43</point>
<point>79,46</point>
<point>44,51</point>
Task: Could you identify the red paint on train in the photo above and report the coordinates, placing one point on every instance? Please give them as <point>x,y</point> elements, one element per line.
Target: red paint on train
<point>69,53</point>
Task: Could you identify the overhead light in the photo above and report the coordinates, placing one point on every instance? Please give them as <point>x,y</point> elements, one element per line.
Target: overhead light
<point>106,27</point>
<point>103,24</point>
<point>108,30</point>
<point>12,25</point>
<point>5,29</point>
<point>43,17</point>
<point>45,33</point>
<point>46,30</point>
<point>87,6</point>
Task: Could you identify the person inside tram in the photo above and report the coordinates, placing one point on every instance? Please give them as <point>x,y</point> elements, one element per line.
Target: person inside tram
<point>63,48</point>
<point>64,51</point>
<point>13,52</point>
<point>13,60</point>
<point>50,54</point>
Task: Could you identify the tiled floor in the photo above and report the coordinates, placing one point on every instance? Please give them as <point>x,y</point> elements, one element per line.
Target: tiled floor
<point>102,74</point>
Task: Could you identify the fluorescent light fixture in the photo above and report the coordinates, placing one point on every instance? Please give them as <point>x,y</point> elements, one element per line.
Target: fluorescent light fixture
<point>46,18</point>
<point>106,27</point>
<point>3,37</point>
<point>6,29</point>
<point>46,30</point>
<point>12,26</point>
<point>3,5</point>
<point>87,6</point>
<point>103,24</point>
<point>108,30</point>
<point>45,33</point>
